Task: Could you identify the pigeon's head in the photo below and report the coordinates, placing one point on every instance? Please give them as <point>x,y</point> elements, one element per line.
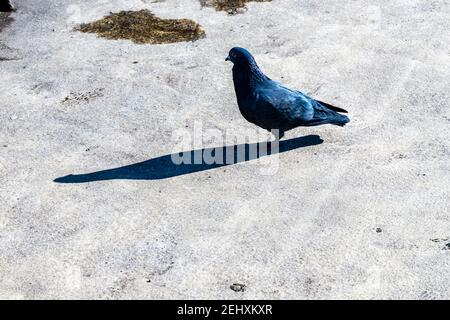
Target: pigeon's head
<point>240,56</point>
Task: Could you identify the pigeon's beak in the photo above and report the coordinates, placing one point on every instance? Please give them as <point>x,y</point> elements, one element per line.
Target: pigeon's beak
<point>228,58</point>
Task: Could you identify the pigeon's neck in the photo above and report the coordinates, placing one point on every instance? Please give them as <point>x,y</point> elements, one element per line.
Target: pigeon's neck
<point>256,73</point>
<point>246,78</point>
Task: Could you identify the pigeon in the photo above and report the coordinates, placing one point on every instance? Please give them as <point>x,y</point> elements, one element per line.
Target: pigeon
<point>273,107</point>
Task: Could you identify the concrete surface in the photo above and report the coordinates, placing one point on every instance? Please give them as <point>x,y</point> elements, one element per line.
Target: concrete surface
<point>308,231</point>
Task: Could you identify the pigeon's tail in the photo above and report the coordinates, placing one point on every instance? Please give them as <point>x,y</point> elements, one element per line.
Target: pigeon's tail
<point>323,115</point>
<point>331,107</point>
<point>336,119</point>
<point>340,120</point>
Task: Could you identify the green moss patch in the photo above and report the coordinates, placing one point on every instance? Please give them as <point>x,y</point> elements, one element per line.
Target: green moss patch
<point>231,6</point>
<point>144,27</point>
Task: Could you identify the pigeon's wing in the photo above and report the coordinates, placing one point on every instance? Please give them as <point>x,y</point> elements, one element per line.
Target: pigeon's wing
<point>290,106</point>
<point>327,105</point>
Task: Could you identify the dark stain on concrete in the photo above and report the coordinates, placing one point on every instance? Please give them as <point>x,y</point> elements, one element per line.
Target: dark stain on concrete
<point>5,19</point>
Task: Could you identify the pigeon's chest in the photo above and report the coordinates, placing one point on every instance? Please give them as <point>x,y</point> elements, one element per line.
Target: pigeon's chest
<point>245,94</point>
<point>241,83</point>
<point>247,106</point>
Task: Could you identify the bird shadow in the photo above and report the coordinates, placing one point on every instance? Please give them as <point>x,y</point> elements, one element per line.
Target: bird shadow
<point>193,161</point>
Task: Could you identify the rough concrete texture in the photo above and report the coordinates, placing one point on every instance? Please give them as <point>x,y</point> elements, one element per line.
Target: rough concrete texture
<point>365,214</point>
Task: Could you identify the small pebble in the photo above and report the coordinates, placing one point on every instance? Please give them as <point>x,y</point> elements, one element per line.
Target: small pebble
<point>378,230</point>
<point>238,287</point>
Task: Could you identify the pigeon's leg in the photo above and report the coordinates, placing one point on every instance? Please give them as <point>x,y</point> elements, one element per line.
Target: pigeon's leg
<point>278,134</point>
<point>275,144</point>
